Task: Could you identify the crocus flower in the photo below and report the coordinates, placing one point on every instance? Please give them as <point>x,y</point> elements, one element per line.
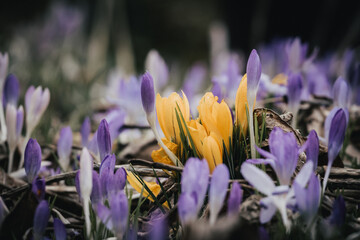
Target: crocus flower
<point>59,229</point>
<point>38,188</point>
<point>240,106</point>
<point>278,197</point>
<point>294,94</point>
<point>159,230</point>
<point>216,117</point>
<point>218,189</point>
<point>194,182</point>
<point>85,131</point>
<point>14,123</point>
<point>32,159</point>
<point>64,147</point>
<point>338,215</point>
<point>36,102</point>
<point>335,132</point>
<point>147,97</point>
<point>212,150</point>
<point>11,90</point>
<point>116,217</point>
<point>156,65</point>
<point>96,192</point>
<point>283,154</point>
<point>104,139</point>
<point>118,181</point>
<point>41,219</point>
<point>341,93</point>
<point>308,198</point>
<point>253,73</point>
<point>106,172</point>
<point>85,183</point>
<point>312,148</point>
<point>198,133</point>
<point>4,62</point>
<point>234,200</point>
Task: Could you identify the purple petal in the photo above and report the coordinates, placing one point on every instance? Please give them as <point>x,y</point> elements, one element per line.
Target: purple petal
<point>104,139</point>
<point>157,68</point>
<point>312,149</point>
<point>194,80</point>
<point>235,198</point>
<point>147,93</point>
<point>295,87</point>
<point>262,161</point>
<point>338,214</point>
<point>218,189</point>
<point>263,234</point>
<point>59,229</point>
<point>32,159</point>
<point>159,229</point>
<point>116,119</point>
<point>195,179</point>
<point>336,134</point>
<point>341,93</point>
<point>38,188</point>
<point>77,183</point>
<point>118,181</point>
<point>85,131</point>
<point>11,90</point>
<point>216,90</point>
<point>187,208</point>
<point>284,147</point>
<point>19,120</point>
<point>305,173</point>
<point>105,215</point>
<point>268,210</point>
<point>64,147</point>
<point>96,193</point>
<point>106,173</point>
<point>119,212</point>
<point>257,178</point>
<point>253,71</point>
<point>41,219</point>
<point>264,153</point>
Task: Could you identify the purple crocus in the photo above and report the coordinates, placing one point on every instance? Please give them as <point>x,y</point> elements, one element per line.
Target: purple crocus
<point>341,93</point>
<point>96,192</point>
<point>283,154</point>
<point>64,147</point>
<point>253,73</point>
<point>11,90</point>
<point>335,133</point>
<point>194,183</point>
<point>85,131</point>
<point>159,230</point>
<point>38,188</point>
<point>115,119</point>
<point>41,219</point>
<point>59,229</point>
<point>308,198</point>
<point>218,189</point>
<point>148,93</point>
<point>338,215</point>
<point>295,85</point>
<point>311,147</point>
<point>234,200</point>
<point>103,139</point>
<point>32,159</point>
<point>106,173</point>
<point>118,181</point>
<point>116,217</point>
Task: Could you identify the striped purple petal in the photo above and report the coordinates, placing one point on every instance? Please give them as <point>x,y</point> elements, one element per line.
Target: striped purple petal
<point>103,139</point>
<point>32,159</point>
<point>148,93</point>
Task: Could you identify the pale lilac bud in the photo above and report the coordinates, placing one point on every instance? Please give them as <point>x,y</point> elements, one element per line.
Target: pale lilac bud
<point>32,159</point>
<point>156,65</point>
<point>253,73</point>
<point>104,139</point>
<point>341,93</point>
<point>85,131</point>
<point>64,147</point>
<point>294,92</point>
<point>14,123</point>
<point>147,93</point>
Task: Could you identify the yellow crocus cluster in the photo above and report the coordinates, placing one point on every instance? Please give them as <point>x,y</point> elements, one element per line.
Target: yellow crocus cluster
<point>209,132</point>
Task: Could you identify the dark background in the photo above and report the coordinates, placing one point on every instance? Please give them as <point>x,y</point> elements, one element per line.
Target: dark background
<point>179,29</point>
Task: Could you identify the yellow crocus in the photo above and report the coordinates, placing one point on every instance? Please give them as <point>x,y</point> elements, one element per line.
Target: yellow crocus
<point>161,156</point>
<point>212,151</point>
<point>216,117</point>
<point>138,186</point>
<point>197,133</point>
<point>280,79</point>
<point>240,103</point>
<point>166,114</point>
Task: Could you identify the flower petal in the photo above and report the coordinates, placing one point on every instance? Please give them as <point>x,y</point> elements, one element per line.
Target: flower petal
<point>257,178</point>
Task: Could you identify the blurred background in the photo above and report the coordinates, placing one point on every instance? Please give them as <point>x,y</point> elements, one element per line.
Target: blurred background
<point>72,46</point>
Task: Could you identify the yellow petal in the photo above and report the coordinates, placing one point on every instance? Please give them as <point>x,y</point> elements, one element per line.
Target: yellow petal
<point>160,155</point>
<point>137,185</point>
<point>240,102</point>
<point>280,79</point>
<point>212,151</point>
<point>197,133</point>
